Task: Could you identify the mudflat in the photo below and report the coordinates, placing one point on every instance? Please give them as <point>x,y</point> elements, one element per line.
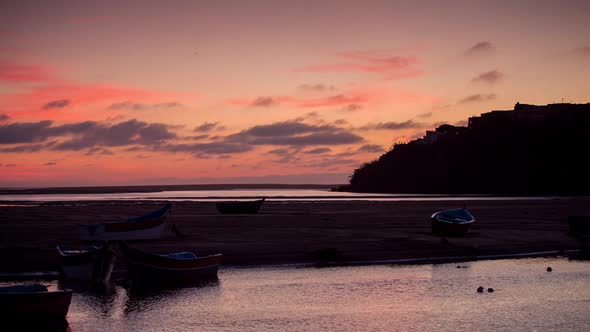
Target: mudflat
<point>294,232</point>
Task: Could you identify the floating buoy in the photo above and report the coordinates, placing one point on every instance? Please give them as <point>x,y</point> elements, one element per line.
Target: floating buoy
<point>480,289</point>
<point>490,290</point>
<point>549,269</point>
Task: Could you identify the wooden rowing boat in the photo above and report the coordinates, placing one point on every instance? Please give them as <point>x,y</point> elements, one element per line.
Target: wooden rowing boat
<point>146,227</point>
<point>33,304</point>
<point>172,269</point>
<point>93,263</point>
<point>452,222</point>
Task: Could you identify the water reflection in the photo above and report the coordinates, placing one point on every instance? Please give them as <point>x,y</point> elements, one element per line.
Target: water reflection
<point>141,299</point>
<point>371,298</point>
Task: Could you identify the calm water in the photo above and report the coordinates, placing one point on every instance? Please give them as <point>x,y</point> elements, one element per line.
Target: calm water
<point>272,194</point>
<point>371,298</point>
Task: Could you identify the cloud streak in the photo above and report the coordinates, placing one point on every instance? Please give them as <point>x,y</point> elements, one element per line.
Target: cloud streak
<point>478,98</point>
<point>206,127</point>
<point>264,102</point>
<point>392,125</point>
<point>390,67</point>
<point>82,135</point>
<point>127,105</point>
<point>12,72</point>
<point>316,87</point>
<point>318,151</point>
<point>584,51</point>
<point>294,133</point>
<point>481,49</point>
<point>371,148</point>
<point>60,103</point>
<point>490,77</point>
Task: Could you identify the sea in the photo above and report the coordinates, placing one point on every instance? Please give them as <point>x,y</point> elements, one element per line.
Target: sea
<point>440,297</point>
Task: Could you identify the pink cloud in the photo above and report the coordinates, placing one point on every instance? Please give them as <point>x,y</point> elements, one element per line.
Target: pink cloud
<point>376,62</point>
<point>262,101</point>
<point>20,73</point>
<point>336,100</point>
<point>32,102</point>
<point>356,97</point>
<point>77,93</point>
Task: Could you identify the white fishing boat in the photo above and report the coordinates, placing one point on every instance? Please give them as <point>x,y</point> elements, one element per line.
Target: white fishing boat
<point>147,227</point>
<point>452,222</point>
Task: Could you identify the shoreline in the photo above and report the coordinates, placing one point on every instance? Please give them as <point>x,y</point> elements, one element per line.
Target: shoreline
<point>280,199</point>
<point>419,261</point>
<point>119,274</point>
<point>308,233</point>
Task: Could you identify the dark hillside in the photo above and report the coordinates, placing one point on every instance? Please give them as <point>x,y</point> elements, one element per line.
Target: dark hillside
<point>528,150</point>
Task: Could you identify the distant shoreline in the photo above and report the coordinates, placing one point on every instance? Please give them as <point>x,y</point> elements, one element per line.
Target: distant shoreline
<point>156,188</point>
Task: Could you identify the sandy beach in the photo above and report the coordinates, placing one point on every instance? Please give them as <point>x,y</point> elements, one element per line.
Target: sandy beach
<point>294,232</point>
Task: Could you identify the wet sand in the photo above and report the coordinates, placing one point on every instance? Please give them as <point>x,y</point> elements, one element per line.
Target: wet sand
<point>294,232</point>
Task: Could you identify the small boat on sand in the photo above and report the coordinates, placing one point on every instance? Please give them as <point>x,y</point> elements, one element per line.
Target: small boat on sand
<point>240,207</point>
<point>172,269</point>
<point>452,222</point>
<point>93,263</point>
<point>146,227</point>
<point>33,303</point>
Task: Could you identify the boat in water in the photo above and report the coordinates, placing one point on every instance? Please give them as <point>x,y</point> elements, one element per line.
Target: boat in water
<point>452,222</point>
<point>172,269</point>
<point>240,207</point>
<point>93,263</point>
<point>147,227</point>
<point>33,304</point>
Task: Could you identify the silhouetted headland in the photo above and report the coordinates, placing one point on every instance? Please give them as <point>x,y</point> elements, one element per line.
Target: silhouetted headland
<point>531,150</point>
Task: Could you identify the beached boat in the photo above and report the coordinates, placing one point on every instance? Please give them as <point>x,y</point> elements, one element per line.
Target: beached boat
<point>173,269</point>
<point>33,304</point>
<point>240,207</point>
<point>146,227</point>
<point>89,263</point>
<point>452,222</point>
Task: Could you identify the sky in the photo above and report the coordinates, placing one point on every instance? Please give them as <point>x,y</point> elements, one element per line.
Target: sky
<point>188,92</point>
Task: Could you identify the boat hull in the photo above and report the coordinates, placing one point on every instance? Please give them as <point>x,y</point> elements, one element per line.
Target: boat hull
<point>43,307</point>
<point>151,269</point>
<point>95,265</point>
<point>147,227</point>
<point>98,233</point>
<point>451,222</point>
<point>446,228</point>
<point>149,275</point>
<point>250,207</point>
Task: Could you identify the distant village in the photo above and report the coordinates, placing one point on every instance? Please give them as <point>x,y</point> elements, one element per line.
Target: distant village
<point>493,119</point>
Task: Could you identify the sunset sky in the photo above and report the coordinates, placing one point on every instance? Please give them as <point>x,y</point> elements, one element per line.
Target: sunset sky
<point>182,92</point>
